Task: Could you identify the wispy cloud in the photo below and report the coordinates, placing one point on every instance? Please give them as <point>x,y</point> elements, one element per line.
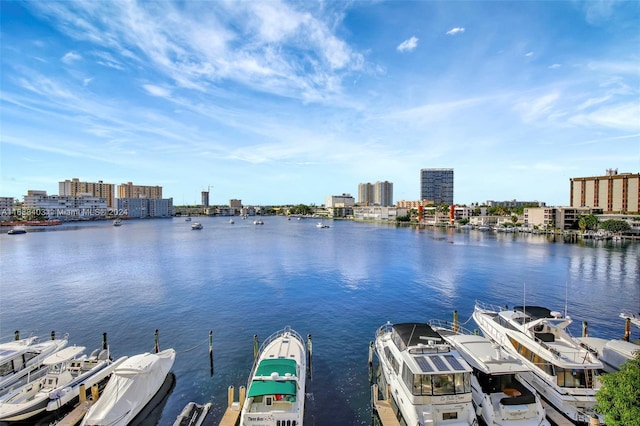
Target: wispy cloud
<point>408,45</point>
<point>71,57</point>
<point>154,90</point>
<point>455,31</point>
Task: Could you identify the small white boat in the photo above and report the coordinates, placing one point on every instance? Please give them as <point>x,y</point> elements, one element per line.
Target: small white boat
<point>68,369</point>
<point>131,386</point>
<point>258,222</point>
<point>499,396</point>
<point>187,219</point>
<point>563,372</point>
<point>21,360</point>
<point>193,414</point>
<point>196,225</point>
<point>117,222</point>
<point>321,225</point>
<point>231,222</point>
<point>611,352</point>
<point>276,388</point>
<point>429,381</point>
<point>17,231</point>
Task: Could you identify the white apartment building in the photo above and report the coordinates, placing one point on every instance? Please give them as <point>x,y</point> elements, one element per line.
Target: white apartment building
<point>62,207</point>
<point>384,213</point>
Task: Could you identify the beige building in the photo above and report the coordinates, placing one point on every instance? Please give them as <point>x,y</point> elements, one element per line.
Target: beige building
<point>613,193</point>
<point>75,188</point>
<point>129,190</point>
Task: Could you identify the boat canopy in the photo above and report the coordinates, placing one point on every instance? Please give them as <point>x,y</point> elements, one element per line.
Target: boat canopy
<point>282,366</point>
<point>413,334</point>
<point>281,373</point>
<point>535,312</point>
<point>272,387</point>
<point>63,355</point>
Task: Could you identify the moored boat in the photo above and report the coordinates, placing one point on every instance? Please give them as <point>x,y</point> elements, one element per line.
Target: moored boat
<point>499,396</point>
<point>193,414</point>
<point>429,381</point>
<point>562,372</point>
<point>21,360</point>
<point>276,387</point>
<point>131,386</point>
<point>67,370</point>
<point>17,231</point>
<point>196,225</point>
<point>117,222</point>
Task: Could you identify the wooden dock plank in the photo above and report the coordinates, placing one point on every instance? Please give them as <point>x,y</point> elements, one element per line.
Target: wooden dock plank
<point>76,415</point>
<point>385,413</point>
<point>231,415</point>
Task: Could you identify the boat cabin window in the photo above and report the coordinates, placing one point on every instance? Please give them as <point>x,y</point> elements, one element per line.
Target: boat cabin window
<point>29,356</point>
<point>575,378</point>
<point>437,384</point>
<point>6,368</point>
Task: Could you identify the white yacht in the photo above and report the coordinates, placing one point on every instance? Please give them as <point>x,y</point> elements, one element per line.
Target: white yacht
<point>132,385</point>
<point>276,388</point>
<point>562,371</point>
<point>499,396</point>
<point>67,370</point>
<point>428,380</point>
<point>117,222</point>
<point>196,225</point>
<point>21,360</point>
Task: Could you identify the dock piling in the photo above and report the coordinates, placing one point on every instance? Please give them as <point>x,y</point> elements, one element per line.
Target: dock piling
<point>16,335</point>
<point>211,352</point>
<point>310,357</point>
<point>157,344</point>
<point>256,346</point>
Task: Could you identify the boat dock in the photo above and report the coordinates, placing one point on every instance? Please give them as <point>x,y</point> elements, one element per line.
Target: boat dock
<point>231,415</point>
<point>383,408</point>
<point>75,416</point>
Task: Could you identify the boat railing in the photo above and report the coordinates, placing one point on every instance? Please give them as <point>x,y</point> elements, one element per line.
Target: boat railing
<point>489,307</point>
<point>455,328</point>
<point>386,328</point>
<point>274,336</point>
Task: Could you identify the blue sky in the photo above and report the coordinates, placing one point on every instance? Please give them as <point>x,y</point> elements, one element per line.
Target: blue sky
<point>287,102</point>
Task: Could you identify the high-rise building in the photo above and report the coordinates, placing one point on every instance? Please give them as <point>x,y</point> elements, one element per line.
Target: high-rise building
<point>613,192</point>
<point>365,194</point>
<point>437,185</point>
<point>378,194</point>
<point>383,193</point>
<point>129,190</point>
<point>205,198</point>
<point>75,188</point>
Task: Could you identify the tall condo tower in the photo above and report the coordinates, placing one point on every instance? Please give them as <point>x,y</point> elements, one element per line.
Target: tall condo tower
<point>437,185</point>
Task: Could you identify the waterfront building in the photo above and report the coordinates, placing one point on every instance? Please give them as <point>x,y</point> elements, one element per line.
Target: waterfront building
<point>613,193</point>
<point>205,198</point>
<point>236,204</point>
<point>365,194</point>
<point>144,207</point>
<point>6,208</point>
<point>564,218</point>
<point>339,205</point>
<point>414,204</point>
<point>383,213</point>
<point>129,190</point>
<point>76,188</point>
<point>383,193</point>
<point>437,185</point>
<point>514,203</point>
<point>39,205</point>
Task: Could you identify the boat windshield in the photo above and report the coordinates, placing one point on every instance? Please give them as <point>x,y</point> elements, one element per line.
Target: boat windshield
<point>571,378</point>
<point>437,384</point>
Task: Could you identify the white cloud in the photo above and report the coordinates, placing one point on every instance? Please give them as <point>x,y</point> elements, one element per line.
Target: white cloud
<point>537,108</point>
<point>528,54</point>
<point>554,66</point>
<point>408,45</point>
<point>154,90</point>
<point>456,30</point>
<point>71,57</point>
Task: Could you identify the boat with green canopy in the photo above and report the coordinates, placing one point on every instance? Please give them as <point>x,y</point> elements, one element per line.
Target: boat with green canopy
<point>276,385</point>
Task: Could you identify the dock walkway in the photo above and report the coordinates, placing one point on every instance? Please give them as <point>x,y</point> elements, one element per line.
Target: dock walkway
<point>383,408</point>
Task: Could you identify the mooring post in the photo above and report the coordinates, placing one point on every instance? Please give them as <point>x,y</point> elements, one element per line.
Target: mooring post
<point>584,329</point>
<point>230,392</point>
<point>455,321</point>
<point>627,330</point>
<point>53,335</point>
<point>242,392</point>
<point>83,393</point>
<point>310,356</point>
<point>157,345</point>
<point>104,341</point>
<point>16,335</point>
<point>211,352</point>
<point>255,346</point>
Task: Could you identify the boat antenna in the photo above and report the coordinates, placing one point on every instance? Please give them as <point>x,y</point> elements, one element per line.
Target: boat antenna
<point>566,297</point>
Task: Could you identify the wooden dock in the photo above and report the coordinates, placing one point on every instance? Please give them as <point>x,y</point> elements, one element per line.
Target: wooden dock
<point>383,408</point>
<point>75,416</point>
<point>231,415</point>
<point>554,415</point>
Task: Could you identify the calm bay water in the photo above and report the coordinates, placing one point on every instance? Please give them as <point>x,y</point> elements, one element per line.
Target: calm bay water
<point>337,284</point>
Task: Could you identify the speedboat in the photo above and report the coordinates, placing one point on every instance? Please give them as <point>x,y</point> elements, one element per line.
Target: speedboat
<point>321,225</point>
<point>21,360</point>
<point>231,222</point>
<point>276,387</point>
<point>187,219</point>
<point>196,225</point>
<point>117,222</point>
<point>428,380</point>
<point>17,231</point>
<point>563,372</point>
<point>67,370</point>
<point>131,386</point>
<point>499,396</point>
<point>258,222</point>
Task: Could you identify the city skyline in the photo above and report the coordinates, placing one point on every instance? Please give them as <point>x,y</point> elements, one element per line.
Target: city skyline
<point>278,103</point>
